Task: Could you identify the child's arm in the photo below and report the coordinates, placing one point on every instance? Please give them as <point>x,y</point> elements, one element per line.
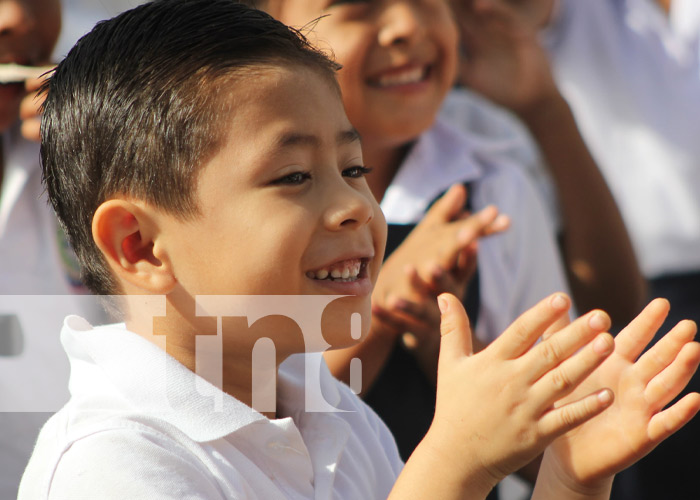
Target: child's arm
<point>505,62</point>
<point>585,459</point>
<point>494,410</point>
<point>443,240</point>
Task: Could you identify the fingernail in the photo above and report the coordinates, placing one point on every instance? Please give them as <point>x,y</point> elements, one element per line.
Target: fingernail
<point>443,304</point>
<point>602,345</point>
<point>605,397</point>
<point>597,321</point>
<point>559,302</point>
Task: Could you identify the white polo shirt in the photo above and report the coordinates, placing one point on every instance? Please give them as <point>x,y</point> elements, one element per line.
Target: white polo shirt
<point>119,436</point>
<point>632,77</point>
<point>517,268</point>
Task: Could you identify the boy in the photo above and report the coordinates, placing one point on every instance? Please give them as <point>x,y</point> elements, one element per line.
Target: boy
<point>259,189</point>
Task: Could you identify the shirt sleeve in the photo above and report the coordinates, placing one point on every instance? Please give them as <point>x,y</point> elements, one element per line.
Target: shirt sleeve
<point>521,266</point>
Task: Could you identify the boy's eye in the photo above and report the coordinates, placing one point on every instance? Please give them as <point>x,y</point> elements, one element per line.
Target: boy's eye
<point>293,179</point>
<point>358,171</point>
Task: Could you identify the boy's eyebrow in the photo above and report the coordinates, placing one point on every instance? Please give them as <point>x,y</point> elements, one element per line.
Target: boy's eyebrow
<point>297,139</point>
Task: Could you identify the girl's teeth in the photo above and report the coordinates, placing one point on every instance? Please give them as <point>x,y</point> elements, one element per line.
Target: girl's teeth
<point>412,76</point>
<point>335,273</point>
<point>322,274</point>
<point>346,273</point>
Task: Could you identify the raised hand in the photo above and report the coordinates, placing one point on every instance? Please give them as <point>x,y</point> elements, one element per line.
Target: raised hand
<point>588,456</point>
<point>496,407</point>
<point>502,58</point>
<point>438,256</point>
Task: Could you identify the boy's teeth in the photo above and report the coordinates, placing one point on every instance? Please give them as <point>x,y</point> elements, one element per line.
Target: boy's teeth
<point>347,270</point>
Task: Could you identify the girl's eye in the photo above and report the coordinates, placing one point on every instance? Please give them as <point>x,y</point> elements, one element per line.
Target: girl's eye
<point>293,179</point>
<point>355,172</point>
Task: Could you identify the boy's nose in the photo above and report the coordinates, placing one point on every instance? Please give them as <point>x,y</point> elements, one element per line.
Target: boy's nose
<point>402,23</point>
<point>15,18</point>
<point>349,209</point>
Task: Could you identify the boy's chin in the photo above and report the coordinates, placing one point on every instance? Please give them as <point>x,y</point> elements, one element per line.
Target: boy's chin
<point>346,322</point>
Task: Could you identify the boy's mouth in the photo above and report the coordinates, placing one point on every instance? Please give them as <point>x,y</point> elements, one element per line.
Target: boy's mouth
<point>343,271</point>
<point>406,76</point>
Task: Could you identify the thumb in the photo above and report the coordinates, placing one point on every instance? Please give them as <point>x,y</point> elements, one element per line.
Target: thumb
<point>449,205</point>
<point>455,332</point>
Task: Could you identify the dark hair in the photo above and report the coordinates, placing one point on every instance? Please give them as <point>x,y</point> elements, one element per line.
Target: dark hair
<point>132,110</point>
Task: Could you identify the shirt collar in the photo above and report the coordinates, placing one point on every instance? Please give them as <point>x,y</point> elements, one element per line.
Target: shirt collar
<point>441,157</point>
<point>122,370</point>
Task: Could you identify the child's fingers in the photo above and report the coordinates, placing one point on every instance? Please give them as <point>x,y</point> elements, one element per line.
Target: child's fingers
<point>418,284</point>
<point>564,418</point>
<point>455,332</point>
<point>665,423</point>
<point>430,281</point>
<point>462,233</point>
<point>482,223</point>
<point>663,388</point>
<point>560,347</point>
<point>557,326</point>
<point>467,262</point>
<point>442,281</point>
<point>562,380</point>
<point>664,351</point>
<point>389,321</point>
<point>30,114</point>
<point>449,205</point>
<point>414,316</point>
<point>31,129</point>
<point>632,340</point>
<point>530,325</point>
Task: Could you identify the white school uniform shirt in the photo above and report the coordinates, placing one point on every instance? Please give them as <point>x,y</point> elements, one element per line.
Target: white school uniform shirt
<point>632,78</point>
<point>118,437</point>
<point>517,268</point>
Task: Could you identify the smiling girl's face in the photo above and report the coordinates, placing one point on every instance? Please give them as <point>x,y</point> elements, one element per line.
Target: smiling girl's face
<point>399,59</point>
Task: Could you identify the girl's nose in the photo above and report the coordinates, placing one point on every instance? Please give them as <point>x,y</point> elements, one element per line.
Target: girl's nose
<point>402,23</point>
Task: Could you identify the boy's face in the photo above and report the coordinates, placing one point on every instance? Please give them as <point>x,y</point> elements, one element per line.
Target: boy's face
<point>284,201</point>
<point>399,59</point>
<point>28,32</point>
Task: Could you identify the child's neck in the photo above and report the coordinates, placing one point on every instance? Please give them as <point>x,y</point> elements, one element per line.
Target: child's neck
<point>385,161</point>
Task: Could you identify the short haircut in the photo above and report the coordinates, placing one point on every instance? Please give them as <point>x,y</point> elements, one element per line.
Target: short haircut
<point>134,108</point>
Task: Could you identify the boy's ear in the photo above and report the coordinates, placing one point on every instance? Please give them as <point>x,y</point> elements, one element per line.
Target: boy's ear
<point>127,235</point>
